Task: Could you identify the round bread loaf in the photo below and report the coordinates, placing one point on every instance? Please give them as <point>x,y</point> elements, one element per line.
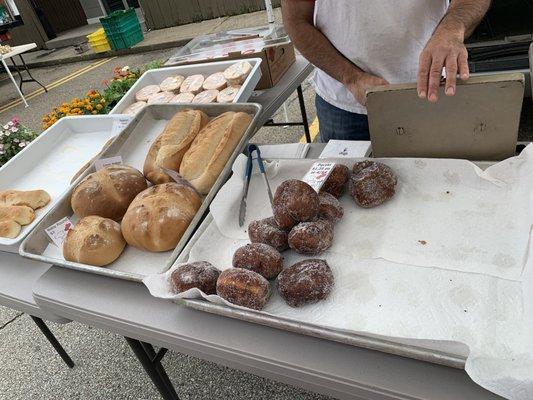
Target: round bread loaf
<point>330,207</point>
<point>267,231</point>
<point>192,84</point>
<point>94,241</point>
<point>199,274</point>
<point>295,201</point>
<point>305,282</point>
<point>228,95</point>
<point>205,97</point>
<point>311,237</point>
<point>171,83</point>
<point>134,108</point>
<point>215,81</point>
<point>158,216</point>
<point>237,73</point>
<point>147,91</point>
<point>260,258</point>
<point>183,98</point>
<point>107,192</point>
<point>372,183</point>
<point>244,288</point>
<point>161,97</point>
<point>336,182</point>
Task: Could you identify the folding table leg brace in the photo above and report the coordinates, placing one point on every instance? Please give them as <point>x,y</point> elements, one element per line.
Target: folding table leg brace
<point>303,112</point>
<point>151,362</point>
<point>22,80</point>
<point>53,341</point>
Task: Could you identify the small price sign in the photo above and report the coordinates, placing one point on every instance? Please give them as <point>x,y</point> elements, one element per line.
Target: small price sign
<point>318,174</point>
<point>120,123</point>
<point>58,231</point>
<point>102,162</point>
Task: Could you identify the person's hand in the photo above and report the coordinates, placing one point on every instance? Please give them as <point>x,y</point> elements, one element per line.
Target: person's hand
<point>444,49</point>
<point>362,83</point>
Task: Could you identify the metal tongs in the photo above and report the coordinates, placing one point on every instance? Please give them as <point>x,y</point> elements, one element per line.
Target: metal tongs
<point>248,176</point>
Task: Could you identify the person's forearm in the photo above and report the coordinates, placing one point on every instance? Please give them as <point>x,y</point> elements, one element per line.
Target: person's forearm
<point>315,47</point>
<point>464,16</point>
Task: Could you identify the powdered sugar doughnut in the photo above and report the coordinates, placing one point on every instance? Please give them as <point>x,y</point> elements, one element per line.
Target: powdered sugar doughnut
<point>237,73</point>
<point>192,84</point>
<point>295,201</point>
<point>171,83</point>
<point>228,95</point>
<point>205,97</point>
<point>305,282</point>
<point>372,183</point>
<point>183,98</point>
<point>215,81</point>
<point>330,207</point>
<point>199,274</point>
<point>260,258</point>
<point>161,97</point>
<point>147,91</point>
<point>311,237</point>
<point>336,182</point>
<point>134,108</point>
<point>244,288</point>
<point>268,231</point>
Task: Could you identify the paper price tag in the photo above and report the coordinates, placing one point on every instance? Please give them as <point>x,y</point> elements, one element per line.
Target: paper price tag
<point>318,174</point>
<point>120,123</point>
<point>102,162</point>
<point>58,232</point>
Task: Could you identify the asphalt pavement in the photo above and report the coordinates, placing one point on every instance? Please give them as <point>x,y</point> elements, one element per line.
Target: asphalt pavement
<point>105,366</point>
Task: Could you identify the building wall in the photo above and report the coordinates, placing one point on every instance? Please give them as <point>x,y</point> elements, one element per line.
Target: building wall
<point>92,8</point>
<point>31,31</point>
<point>166,13</point>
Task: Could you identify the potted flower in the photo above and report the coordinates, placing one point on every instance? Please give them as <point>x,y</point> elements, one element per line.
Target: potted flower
<point>14,137</point>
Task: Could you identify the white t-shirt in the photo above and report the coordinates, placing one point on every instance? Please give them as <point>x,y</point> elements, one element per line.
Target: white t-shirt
<point>382,37</point>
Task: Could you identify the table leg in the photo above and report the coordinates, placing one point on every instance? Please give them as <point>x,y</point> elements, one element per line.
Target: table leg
<point>32,79</point>
<point>14,83</point>
<point>304,113</point>
<point>53,341</point>
<point>151,364</point>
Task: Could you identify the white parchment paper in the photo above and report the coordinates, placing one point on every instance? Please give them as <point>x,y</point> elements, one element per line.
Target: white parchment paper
<point>446,213</point>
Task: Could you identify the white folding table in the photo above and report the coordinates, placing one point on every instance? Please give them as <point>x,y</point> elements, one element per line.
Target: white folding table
<point>18,51</point>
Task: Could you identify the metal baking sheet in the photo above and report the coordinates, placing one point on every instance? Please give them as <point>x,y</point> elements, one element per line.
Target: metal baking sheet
<point>52,159</point>
<point>132,145</point>
<point>373,342</point>
<point>156,76</point>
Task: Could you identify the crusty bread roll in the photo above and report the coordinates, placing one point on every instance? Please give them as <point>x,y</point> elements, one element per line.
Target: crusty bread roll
<point>147,91</point>
<point>171,83</point>
<point>133,109</point>
<point>192,84</point>
<point>9,229</point>
<point>23,215</point>
<point>237,73</point>
<point>212,148</point>
<point>215,81</point>
<point>31,198</point>
<point>107,192</point>
<point>205,97</point>
<point>94,241</point>
<point>228,95</point>
<point>161,97</point>
<point>157,218</point>
<point>170,146</point>
<point>183,98</point>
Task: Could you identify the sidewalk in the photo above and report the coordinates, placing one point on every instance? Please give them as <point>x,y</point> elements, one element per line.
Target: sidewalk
<point>153,40</point>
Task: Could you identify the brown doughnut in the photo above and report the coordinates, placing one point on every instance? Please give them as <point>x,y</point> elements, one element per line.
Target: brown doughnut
<point>244,288</point>
<point>295,201</point>
<point>330,207</point>
<point>305,282</point>
<point>268,232</point>
<point>372,183</point>
<point>336,181</point>
<point>311,237</point>
<point>260,258</point>
<point>199,274</point>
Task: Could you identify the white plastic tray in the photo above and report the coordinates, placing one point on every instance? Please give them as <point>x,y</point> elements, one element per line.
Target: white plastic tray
<point>156,76</point>
<point>51,161</point>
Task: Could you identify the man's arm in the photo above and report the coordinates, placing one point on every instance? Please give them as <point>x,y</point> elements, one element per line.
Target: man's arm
<point>298,21</point>
<point>446,48</point>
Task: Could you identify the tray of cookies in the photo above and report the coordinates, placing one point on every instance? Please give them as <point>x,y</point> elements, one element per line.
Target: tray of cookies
<point>135,208</point>
<point>214,82</point>
<point>29,189</point>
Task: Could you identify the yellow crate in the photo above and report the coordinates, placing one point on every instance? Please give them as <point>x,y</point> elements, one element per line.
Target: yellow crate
<point>97,35</point>
<point>100,48</point>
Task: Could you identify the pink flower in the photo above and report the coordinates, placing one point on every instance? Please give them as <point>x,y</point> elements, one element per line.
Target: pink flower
<point>15,120</point>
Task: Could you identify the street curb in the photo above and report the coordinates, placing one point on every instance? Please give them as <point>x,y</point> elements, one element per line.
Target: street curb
<point>107,54</point>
